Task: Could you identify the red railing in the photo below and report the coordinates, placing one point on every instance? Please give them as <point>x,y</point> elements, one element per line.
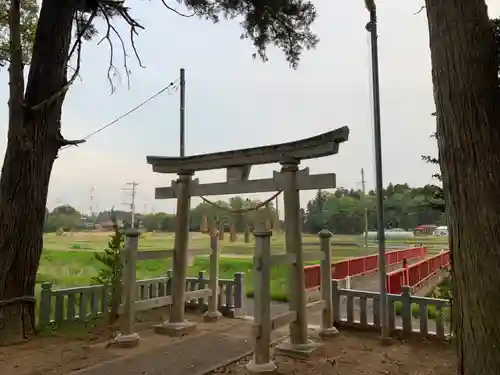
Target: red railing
<point>415,274</point>
<point>360,266</point>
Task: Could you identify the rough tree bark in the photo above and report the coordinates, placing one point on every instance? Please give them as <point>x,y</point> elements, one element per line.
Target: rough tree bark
<point>464,68</point>
<point>33,142</point>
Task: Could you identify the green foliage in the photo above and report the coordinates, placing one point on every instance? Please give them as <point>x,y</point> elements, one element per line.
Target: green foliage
<point>343,210</point>
<point>443,290</point>
<point>111,259</point>
<point>29,18</point>
<point>111,274</point>
<point>61,219</point>
<point>222,216</point>
<point>432,312</point>
<point>283,24</point>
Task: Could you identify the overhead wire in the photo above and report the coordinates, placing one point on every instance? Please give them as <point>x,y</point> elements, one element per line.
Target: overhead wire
<point>171,85</point>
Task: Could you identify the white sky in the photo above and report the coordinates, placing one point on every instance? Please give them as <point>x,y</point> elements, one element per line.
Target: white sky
<point>234,101</point>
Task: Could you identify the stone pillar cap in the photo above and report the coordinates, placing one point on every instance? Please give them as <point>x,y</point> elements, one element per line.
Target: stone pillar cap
<point>325,233</point>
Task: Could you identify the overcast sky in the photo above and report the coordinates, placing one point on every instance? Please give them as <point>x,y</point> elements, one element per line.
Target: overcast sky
<point>234,101</point>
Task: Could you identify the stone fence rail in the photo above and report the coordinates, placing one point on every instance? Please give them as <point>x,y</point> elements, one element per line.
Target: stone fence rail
<point>407,313</point>
<point>84,303</point>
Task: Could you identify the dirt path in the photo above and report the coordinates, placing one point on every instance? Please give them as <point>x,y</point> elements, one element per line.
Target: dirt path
<point>361,353</point>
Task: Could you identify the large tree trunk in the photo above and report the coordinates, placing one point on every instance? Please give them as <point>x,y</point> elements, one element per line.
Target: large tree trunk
<point>33,143</point>
<point>464,67</point>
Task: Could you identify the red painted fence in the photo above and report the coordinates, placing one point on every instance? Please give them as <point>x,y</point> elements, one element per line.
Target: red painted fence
<point>416,273</point>
<point>360,266</point>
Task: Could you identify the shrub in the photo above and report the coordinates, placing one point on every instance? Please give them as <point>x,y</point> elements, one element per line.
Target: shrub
<point>111,274</point>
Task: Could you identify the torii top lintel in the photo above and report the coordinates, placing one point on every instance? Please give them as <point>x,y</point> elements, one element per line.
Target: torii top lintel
<point>315,147</point>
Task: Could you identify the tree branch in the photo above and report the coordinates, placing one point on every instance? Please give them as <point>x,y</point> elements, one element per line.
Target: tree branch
<point>65,142</point>
<point>176,11</point>
<point>78,47</point>
<point>111,6</point>
<point>420,10</point>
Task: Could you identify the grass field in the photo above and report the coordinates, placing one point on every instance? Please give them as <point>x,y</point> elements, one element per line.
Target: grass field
<point>69,260</point>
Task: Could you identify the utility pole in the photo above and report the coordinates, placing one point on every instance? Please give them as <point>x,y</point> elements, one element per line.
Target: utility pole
<point>371,27</point>
<point>183,113</point>
<point>363,187</point>
<point>131,190</point>
<point>91,203</point>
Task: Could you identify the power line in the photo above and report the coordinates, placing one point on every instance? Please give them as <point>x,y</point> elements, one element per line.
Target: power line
<point>98,130</point>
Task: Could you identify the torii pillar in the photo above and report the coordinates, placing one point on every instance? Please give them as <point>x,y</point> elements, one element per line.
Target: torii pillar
<point>177,325</point>
<point>299,341</point>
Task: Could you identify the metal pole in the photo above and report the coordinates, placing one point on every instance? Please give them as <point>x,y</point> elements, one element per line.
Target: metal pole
<point>372,29</point>
<point>363,185</point>
<point>183,112</point>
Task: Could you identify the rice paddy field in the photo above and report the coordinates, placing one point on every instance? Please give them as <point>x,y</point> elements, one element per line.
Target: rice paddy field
<point>69,259</point>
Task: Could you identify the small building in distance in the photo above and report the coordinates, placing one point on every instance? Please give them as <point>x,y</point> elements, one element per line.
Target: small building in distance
<point>426,229</point>
<point>441,231</point>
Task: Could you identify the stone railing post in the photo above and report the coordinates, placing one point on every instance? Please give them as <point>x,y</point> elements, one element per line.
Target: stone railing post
<point>177,324</point>
<point>261,361</point>
<point>327,328</point>
<point>168,283</point>
<point>348,282</point>
<point>127,337</point>
<point>239,294</point>
<point>406,309</point>
<point>45,306</point>
<point>335,302</point>
<point>213,314</point>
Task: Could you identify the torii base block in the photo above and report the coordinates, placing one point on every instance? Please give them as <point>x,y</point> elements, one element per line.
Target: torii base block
<point>125,341</point>
<point>301,351</point>
<point>269,368</point>
<point>175,329</point>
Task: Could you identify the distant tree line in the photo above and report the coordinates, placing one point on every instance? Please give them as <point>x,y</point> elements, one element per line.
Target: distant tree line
<point>341,211</point>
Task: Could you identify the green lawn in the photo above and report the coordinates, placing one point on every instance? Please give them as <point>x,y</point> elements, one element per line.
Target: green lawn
<point>69,260</point>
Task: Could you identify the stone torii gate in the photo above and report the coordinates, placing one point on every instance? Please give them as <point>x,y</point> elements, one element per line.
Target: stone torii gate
<point>238,163</point>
